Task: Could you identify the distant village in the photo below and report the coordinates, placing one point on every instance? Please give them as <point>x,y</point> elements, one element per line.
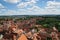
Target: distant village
<point>27,29</point>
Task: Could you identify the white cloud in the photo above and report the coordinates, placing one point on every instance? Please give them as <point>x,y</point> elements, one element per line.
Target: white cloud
<point>51,8</point>
<point>53,5</point>
<point>34,1</point>
<point>22,5</point>
<point>35,10</point>
<point>1,6</point>
<point>25,4</point>
<point>8,12</point>
<point>12,1</point>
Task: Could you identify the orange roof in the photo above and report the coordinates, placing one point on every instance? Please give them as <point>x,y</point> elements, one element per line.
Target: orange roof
<point>22,37</point>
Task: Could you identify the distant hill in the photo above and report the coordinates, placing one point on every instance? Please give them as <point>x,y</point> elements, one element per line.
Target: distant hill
<point>21,16</point>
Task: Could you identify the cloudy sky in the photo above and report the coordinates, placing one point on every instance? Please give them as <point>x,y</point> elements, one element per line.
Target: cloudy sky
<point>29,7</point>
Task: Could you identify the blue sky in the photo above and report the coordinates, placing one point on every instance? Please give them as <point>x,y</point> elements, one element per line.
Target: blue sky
<point>29,7</point>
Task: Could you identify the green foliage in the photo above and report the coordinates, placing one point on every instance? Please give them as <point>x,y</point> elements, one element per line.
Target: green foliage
<point>50,22</point>
<point>47,22</point>
<point>49,38</point>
